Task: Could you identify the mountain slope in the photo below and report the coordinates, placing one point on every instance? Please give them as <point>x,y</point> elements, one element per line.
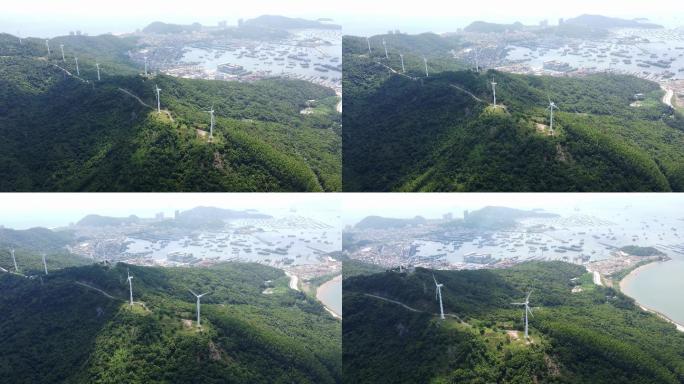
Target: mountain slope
<point>68,133</point>
<point>77,327</point>
<point>392,332</point>
<point>440,133</point>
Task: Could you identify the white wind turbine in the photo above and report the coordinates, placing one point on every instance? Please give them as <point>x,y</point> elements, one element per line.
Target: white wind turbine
<point>438,295</point>
<point>369,48</point>
<point>61,47</point>
<point>494,91</point>
<point>385,46</point>
<point>45,264</point>
<point>198,305</point>
<point>528,310</point>
<point>403,70</point>
<point>97,65</point>
<point>427,74</point>
<point>47,44</point>
<point>550,108</point>
<point>130,286</point>
<point>211,126</point>
<point>158,103</point>
<point>77,71</point>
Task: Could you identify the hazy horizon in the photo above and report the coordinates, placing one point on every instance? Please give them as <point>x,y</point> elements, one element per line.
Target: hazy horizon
<point>23,211</point>
<point>407,205</point>
<point>43,18</point>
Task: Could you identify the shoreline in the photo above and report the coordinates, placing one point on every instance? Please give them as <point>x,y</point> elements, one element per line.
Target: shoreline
<point>633,274</point>
<point>318,290</point>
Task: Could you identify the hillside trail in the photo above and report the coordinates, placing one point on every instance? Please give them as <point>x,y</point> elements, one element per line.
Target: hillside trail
<point>95,289</point>
<point>411,308</point>
<point>416,78</point>
<point>129,93</point>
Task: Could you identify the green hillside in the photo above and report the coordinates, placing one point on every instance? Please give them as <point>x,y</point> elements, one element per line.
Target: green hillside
<point>65,133</point>
<point>75,326</point>
<point>596,335</point>
<point>405,132</point>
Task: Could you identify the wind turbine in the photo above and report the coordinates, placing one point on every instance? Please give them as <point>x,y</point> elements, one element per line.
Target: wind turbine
<point>98,71</point>
<point>47,44</point>
<point>438,294</point>
<point>14,260</point>
<point>427,74</point>
<point>77,71</point>
<point>61,47</point>
<point>145,65</point>
<point>158,103</point>
<point>45,264</point>
<point>211,127</point>
<point>402,63</point>
<point>369,48</point>
<point>494,91</point>
<point>130,285</point>
<point>385,46</point>
<point>550,108</point>
<point>198,305</point>
<point>526,303</point>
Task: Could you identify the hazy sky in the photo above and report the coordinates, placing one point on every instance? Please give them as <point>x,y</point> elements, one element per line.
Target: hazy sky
<point>26,210</point>
<point>433,205</point>
<point>46,17</point>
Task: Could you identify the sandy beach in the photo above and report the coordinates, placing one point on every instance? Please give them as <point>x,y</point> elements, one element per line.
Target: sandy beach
<point>630,277</point>
<point>322,290</point>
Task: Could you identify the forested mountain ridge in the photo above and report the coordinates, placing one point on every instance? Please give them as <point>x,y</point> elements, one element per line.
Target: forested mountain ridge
<point>392,332</point>
<point>71,133</point>
<point>440,133</point>
<point>75,326</point>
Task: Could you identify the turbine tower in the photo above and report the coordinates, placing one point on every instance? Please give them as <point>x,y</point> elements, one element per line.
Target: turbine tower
<point>145,65</point>
<point>158,103</point>
<point>77,71</point>
<point>130,286</point>
<point>61,47</point>
<point>211,126</point>
<point>494,91</point>
<point>528,310</point>
<point>45,265</point>
<point>14,260</point>
<point>550,108</point>
<point>47,44</point>
<point>438,295</point>
<point>198,305</point>
<point>97,65</point>
<point>385,46</point>
<point>427,74</point>
<point>403,70</point>
<point>369,48</point>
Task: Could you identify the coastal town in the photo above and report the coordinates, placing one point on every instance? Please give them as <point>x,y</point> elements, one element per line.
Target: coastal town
<point>241,54</point>
<point>651,54</point>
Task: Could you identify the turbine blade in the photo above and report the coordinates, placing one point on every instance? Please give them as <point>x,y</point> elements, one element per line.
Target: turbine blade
<point>433,278</point>
<point>528,296</point>
<point>192,292</point>
<point>529,309</point>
